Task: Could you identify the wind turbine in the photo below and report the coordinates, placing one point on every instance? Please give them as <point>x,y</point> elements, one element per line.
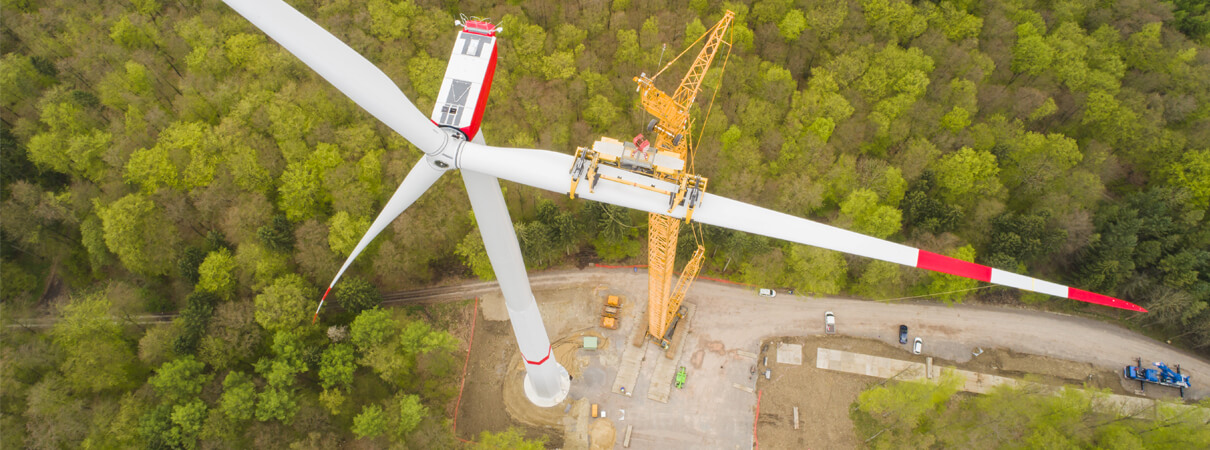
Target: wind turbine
<point>447,147</point>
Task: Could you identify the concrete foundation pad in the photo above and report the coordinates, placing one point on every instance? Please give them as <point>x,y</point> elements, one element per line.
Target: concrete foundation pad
<point>628,371</point>
<point>665,368</point>
<point>789,353</point>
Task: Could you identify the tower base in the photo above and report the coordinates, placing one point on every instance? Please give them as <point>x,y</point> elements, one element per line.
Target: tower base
<point>560,394</point>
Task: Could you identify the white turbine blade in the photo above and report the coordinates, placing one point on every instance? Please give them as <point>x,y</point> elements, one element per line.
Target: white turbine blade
<point>417,181</point>
<point>350,72</point>
<point>549,170</point>
<point>735,215</point>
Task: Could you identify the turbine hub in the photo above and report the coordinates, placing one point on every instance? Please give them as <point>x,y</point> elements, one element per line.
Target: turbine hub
<point>445,157</point>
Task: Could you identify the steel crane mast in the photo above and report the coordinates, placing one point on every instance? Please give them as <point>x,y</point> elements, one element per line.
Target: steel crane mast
<point>670,159</point>
<point>672,112</point>
<point>671,127</point>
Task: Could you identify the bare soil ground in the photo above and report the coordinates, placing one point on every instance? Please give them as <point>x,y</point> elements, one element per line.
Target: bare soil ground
<point>483,395</point>
<point>493,398</point>
<point>823,397</point>
<point>1045,346</point>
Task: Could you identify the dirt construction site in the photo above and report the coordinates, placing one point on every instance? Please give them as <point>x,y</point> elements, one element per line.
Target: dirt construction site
<point>732,338</point>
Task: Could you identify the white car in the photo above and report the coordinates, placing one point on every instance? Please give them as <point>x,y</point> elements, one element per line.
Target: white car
<point>768,293</point>
<point>917,346</point>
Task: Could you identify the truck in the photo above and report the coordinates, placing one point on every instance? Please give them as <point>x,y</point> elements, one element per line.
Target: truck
<point>829,323</point>
<point>1164,376</point>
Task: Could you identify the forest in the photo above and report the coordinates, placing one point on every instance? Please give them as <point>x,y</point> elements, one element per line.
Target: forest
<point>166,157</point>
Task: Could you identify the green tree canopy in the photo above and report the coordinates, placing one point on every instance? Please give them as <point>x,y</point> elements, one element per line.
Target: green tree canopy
<point>814,269</point>
<point>862,210</point>
<point>370,423</point>
<point>180,380</point>
<point>138,233</point>
<point>345,231</point>
<point>967,175</point>
<point>238,401</point>
<point>284,304</point>
<point>96,357</point>
<point>355,295</point>
<point>336,366</point>
<point>511,438</point>
<point>408,414</point>
<point>217,273</point>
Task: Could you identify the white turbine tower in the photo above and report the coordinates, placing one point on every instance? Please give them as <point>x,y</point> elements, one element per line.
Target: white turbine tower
<point>446,147</point>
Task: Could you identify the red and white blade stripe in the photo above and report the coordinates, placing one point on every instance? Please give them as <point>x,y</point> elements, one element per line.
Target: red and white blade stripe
<point>954,266</point>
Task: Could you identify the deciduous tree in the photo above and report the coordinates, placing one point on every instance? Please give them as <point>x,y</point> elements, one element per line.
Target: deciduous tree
<point>345,231</point>
<point>866,216</point>
<point>232,335</point>
<point>96,357</point>
<point>1031,54</point>
<point>814,269</point>
<point>217,274</point>
<point>283,305</point>
<point>138,233</point>
<point>238,402</point>
<point>408,412</point>
<point>511,438</point>
<point>370,423</point>
<point>967,175</point>
<point>473,255</point>
<point>180,380</point>
<point>792,25</point>
<point>336,367</point>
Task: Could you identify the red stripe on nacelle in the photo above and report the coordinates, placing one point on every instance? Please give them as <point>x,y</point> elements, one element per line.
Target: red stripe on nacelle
<point>953,266</point>
<point>548,350</point>
<point>1093,297</point>
<point>477,119</point>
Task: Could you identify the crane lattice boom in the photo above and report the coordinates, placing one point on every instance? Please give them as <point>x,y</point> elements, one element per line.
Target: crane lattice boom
<point>666,161</point>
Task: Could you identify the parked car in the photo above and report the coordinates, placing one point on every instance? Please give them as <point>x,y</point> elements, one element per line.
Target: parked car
<point>903,334</point>
<point>917,346</point>
<point>829,322</point>
<point>768,293</point>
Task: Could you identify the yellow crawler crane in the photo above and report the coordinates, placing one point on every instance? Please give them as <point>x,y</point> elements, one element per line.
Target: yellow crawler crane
<point>665,159</point>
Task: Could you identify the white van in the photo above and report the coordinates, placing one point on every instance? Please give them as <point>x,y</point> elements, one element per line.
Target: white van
<point>768,293</point>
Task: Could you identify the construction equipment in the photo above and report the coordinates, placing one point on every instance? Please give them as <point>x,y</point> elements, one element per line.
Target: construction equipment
<point>611,312</point>
<point>610,322</point>
<point>613,301</point>
<point>667,157</point>
<point>1163,376</point>
<point>680,378</point>
<point>666,339</point>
